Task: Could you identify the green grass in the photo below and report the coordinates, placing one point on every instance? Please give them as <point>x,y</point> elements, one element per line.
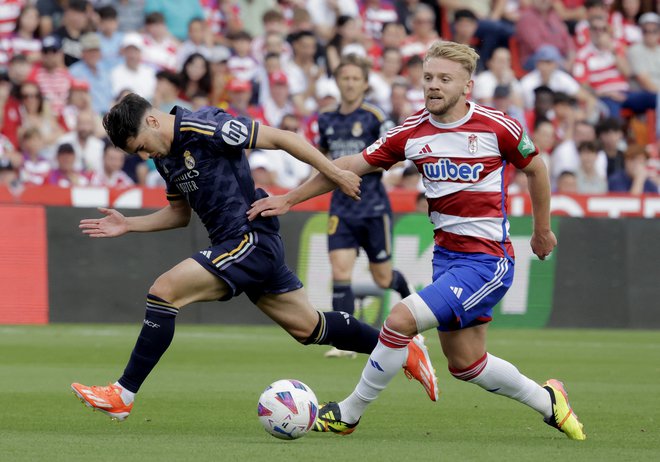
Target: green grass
<point>200,402</point>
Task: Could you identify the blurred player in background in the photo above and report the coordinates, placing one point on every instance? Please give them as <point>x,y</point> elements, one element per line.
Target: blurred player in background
<point>201,157</point>
<point>345,130</point>
<point>461,149</point>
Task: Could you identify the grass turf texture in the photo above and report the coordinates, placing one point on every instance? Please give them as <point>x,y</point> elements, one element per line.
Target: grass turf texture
<point>200,402</point>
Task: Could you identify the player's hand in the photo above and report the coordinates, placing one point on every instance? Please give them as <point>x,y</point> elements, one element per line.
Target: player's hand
<point>112,225</point>
<point>542,243</point>
<point>349,183</point>
<point>268,207</point>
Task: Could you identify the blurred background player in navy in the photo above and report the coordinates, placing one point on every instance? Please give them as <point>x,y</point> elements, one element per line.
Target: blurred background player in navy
<point>348,129</point>
<point>201,157</point>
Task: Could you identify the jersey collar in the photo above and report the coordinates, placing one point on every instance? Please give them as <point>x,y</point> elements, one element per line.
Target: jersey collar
<point>459,122</point>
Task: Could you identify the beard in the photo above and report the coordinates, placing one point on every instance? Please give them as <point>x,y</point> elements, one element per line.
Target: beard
<point>448,104</point>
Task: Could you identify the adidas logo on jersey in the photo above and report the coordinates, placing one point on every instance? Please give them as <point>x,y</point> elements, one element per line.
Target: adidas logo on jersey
<point>445,169</point>
<point>206,253</point>
<point>457,291</point>
<point>425,150</point>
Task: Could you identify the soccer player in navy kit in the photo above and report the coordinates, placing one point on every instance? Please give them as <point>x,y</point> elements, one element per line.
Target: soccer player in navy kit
<point>201,157</point>
<point>348,129</point>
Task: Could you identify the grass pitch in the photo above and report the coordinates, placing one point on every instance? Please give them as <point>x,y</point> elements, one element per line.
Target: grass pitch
<point>200,402</point>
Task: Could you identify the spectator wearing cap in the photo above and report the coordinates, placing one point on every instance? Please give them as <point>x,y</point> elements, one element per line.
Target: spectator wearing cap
<point>66,174</point>
<point>160,48</point>
<point>547,72</point>
<point>87,146</point>
<point>539,24</point>
<point>25,39</point>
<point>177,14</point>
<point>132,74</point>
<point>51,74</point>
<point>239,93</point>
<point>166,95</point>
<point>111,174</point>
<point>635,177</point>
<point>79,100</point>
<point>644,57</point>
<point>199,40</point>
<point>498,73</point>
<point>91,69</point>
<point>74,23</point>
<point>278,103</point>
<point>111,37</point>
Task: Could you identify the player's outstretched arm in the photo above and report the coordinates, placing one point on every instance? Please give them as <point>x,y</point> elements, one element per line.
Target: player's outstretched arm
<point>315,186</point>
<point>114,224</point>
<point>543,239</point>
<point>298,147</point>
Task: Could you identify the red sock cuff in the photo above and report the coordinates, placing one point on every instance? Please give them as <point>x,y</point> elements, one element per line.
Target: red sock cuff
<point>393,339</point>
<point>472,370</point>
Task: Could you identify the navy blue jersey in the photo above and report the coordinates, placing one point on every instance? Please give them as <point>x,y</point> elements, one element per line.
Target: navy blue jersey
<point>346,134</point>
<point>208,168</point>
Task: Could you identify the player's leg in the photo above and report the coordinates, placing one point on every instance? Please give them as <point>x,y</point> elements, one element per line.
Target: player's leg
<point>387,277</point>
<point>342,262</point>
<point>186,283</point>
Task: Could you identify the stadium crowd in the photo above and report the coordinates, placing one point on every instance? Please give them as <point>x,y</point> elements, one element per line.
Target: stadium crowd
<point>582,76</point>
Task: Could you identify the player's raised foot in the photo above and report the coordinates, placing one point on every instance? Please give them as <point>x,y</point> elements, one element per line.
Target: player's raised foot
<point>105,399</point>
<point>328,419</point>
<point>418,366</point>
<point>563,418</point>
<point>337,353</point>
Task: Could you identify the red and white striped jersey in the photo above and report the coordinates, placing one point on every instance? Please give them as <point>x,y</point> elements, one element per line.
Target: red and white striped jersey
<point>9,12</point>
<point>462,166</point>
<point>598,69</point>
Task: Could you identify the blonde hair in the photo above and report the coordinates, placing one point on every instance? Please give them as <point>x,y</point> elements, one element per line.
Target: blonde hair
<point>457,52</point>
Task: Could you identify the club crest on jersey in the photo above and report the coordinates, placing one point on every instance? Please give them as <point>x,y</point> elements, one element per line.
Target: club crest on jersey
<point>445,169</point>
<point>189,160</point>
<point>357,129</point>
<point>472,143</point>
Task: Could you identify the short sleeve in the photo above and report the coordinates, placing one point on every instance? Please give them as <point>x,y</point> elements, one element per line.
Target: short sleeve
<point>172,193</point>
<point>386,150</point>
<point>235,133</point>
<point>516,146</point>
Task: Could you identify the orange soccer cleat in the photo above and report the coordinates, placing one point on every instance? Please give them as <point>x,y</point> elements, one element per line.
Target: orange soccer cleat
<point>105,399</point>
<point>418,366</point>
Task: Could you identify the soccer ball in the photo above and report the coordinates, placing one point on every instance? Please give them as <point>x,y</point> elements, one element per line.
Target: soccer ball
<point>287,409</point>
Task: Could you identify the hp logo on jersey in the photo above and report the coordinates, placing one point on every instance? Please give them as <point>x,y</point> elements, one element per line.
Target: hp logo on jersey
<point>234,132</point>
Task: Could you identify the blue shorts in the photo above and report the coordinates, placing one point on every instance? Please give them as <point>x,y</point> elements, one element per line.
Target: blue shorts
<point>373,234</point>
<point>253,264</point>
<point>466,287</point>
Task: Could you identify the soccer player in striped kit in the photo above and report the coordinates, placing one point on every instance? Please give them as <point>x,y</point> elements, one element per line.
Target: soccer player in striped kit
<point>202,159</point>
<point>461,149</point>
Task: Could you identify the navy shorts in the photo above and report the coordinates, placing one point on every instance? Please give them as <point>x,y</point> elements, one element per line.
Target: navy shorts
<point>373,234</point>
<point>466,287</point>
<point>253,263</point>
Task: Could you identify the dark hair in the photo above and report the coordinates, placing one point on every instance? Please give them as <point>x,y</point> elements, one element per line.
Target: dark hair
<point>65,148</point>
<point>107,12</point>
<point>204,82</point>
<point>564,98</point>
<point>125,118</point>
<point>544,89</point>
<point>610,124</point>
<point>172,77</point>
<point>414,60</point>
<point>465,14</point>
<point>154,18</point>
<point>590,146</point>
<point>35,33</point>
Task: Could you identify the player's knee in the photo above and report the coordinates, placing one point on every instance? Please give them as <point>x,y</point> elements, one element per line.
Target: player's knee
<point>383,280</point>
<point>161,289</point>
<point>401,320</point>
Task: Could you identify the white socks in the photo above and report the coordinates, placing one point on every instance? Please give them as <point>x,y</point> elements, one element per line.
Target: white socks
<point>126,396</point>
<point>384,363</point>
<point>503,378</point>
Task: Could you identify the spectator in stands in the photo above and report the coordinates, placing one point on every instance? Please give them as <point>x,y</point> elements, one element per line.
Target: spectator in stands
<point>347,33</point>
<point>634,178</point>
<point>74,23</point>
<point>324,14</point>
<point>79,100</point>
<point>401,107</point>
<point>90,69</point>
<point>499,73</point>
<point>589,179</point>
<point>394,34</point>
<point>241,64</point>
<point>66,174</point>
<point>160,47</point>
<point>111,37</point>
<point>278,104</point>
<point>570,11</point>
<point>239,94</point>
<point>132,74</point>
<point>220,75</point>
<point>273,38</point>
<point>592,9</point>
<point>195,77</point>
<point>611,139</point>
<point>518,184</point>
<point>644,57</point>
<point>8,153</point>
<point>423,32</point>
<point>503,101</point>
<point>566,183</point>
<point>199,40</point>
<point>565,112</point>
<point>374,15</point>
<point>540,25</point>
<point>176,13</point>
<point>26,40</point>
<point>415,93</point>
<point>88,148</point>
<point>464,28</point>
<point>223,17</point>
<point>166,94</point>
<point>380,82</point>
<point>302,72</point>
<point>51,74</point>
<point>565,156</point>
<point>544,99</point>
<point>544,139</point>
<point>623,19</point>
<point>112,175</point>
<point>130,14</point>
<point>34,167</point>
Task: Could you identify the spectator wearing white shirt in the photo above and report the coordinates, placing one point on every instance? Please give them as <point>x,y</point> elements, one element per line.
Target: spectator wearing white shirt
<point>499,72</point>
<point>132,74</point>
<point>278,104</point>
<point>111,174</point>
<point>87,147</point>
<point>199,40</point>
